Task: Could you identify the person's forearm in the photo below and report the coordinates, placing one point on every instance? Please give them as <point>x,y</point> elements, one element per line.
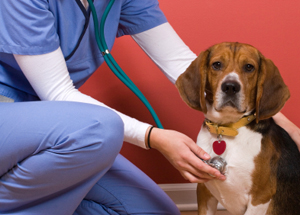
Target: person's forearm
<point>289,127</point>
<point>295,135</point>
<point>166,49</point>
<point>49,77</point>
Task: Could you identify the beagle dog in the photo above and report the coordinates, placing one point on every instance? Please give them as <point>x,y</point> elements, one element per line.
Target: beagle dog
<point>239,90</point>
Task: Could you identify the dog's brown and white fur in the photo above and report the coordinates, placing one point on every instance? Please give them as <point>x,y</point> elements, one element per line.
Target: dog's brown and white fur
<point>226,82</point>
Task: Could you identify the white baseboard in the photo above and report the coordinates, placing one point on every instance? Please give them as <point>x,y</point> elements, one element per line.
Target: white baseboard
<point>184,195</point>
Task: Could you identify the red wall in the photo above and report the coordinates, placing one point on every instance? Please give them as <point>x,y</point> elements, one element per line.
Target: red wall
<point>271,26</point>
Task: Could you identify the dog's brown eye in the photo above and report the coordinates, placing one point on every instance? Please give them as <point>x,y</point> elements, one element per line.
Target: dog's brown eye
<point>249,68</point>
<point>217,66</point>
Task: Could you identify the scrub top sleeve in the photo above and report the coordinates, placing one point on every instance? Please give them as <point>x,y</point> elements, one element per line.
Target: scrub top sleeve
<point>27,27</point>
<point>138,16</point>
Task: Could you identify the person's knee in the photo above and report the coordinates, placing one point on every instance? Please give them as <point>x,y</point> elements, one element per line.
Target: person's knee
<point>104,135</point>
<point>90,130</point>
<point>112,128</point>
<point>103,126</point>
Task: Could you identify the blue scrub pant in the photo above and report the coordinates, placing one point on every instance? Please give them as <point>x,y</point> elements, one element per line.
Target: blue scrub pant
<point>63,158</point>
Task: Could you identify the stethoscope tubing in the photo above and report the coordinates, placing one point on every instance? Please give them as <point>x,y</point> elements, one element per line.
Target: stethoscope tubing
<point>110,61</point>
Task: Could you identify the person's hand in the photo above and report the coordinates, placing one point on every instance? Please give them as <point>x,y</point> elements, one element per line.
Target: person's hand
<point>183,154</point>
<point>289,127</point>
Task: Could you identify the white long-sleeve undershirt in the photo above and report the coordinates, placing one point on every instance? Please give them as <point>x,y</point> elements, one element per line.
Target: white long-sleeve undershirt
<point>48,73</point>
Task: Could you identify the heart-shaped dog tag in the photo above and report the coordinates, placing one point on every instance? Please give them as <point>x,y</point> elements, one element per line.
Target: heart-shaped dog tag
<point>219,147</point>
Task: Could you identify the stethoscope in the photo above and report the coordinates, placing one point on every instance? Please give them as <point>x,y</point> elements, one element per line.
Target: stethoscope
<point>112,64</point>
<point>216,162</point>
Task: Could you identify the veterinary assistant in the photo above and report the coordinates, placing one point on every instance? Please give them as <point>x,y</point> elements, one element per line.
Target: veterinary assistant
<point>62,157</point>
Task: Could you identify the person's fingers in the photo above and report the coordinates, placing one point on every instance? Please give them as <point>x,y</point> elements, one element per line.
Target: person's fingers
<point>199,167</point>
<point>192,178</point>
<point>189,166</point>
<point>198,151</point>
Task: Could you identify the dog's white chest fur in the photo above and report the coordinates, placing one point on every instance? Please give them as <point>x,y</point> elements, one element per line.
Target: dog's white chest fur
<point>233,193</point>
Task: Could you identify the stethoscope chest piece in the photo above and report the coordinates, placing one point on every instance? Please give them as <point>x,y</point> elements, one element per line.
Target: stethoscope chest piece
<point>218,163</point>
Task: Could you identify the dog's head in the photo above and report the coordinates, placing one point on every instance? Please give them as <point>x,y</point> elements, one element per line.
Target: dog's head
<point>230,80</point>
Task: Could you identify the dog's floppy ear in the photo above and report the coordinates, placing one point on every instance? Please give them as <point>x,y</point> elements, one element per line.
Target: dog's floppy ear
<point>272,93</point>
<point>191,84</point>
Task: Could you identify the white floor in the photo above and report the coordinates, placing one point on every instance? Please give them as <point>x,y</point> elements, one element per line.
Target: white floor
<point>220,212</point>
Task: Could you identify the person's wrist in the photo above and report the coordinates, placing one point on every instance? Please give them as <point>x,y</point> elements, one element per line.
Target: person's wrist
<point>153,138</point>
<point>148,137</point>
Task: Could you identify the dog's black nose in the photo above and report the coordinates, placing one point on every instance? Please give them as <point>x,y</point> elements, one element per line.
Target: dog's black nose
<point>230,87</point>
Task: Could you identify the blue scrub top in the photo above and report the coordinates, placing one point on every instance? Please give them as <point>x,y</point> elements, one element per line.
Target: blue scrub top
<point>33,27</point>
